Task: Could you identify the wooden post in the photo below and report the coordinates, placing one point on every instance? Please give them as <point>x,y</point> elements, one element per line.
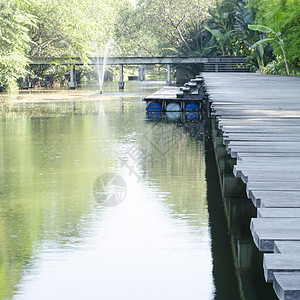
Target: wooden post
<point>121,78</point>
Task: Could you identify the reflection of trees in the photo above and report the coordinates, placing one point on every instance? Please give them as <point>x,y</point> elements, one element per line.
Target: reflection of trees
<point>49,162</point>
<point>47,168</point>
<point>49,110</point>
<point>169,155</point>
<point>175,160</point>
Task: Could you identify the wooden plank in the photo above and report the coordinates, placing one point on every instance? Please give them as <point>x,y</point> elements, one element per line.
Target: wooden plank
<point>257,121</point>
<point>269,144</point>
<point>169,94</point>
<point>260,138</point>
<point>269,176</point>
<point>238,169</point>
<point>266,162</point>
<point>261,149</point>
<point>281,212</point>
<point>287,247</point>
<point>287,285</point>
<point>165,93</point>
<point>261,129</point>
<point>267,159</point>
<point>271,186</point>
<point>275,155</point>
<point>282,202</point>
<point>267,230</point>
<point>275,198</point>
<point>256,113</point>
<point>276,263</point>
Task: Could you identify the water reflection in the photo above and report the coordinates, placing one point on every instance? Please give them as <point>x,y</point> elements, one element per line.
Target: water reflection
<point>57,242</point>
<point>192,116</point>
<point>173,116</point>
<point>238,213</point>
<point>237,267</point>
<point>152,115</point>
<point>171,236</point>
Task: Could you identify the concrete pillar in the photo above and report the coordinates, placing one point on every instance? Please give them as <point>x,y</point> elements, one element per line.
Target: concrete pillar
<point>25,84</point>
<point>184,73</point>
<point>169,75</point>
<point>121,78</point>
<point>72,82</point>
<point>142,73</point>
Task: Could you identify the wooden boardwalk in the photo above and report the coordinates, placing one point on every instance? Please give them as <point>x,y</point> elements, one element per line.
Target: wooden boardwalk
<point>259,116</point>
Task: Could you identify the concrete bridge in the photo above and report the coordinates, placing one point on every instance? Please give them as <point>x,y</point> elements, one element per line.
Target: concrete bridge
<point>216,64</point>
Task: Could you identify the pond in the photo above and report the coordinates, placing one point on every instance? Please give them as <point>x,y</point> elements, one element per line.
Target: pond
<point>98,201</point>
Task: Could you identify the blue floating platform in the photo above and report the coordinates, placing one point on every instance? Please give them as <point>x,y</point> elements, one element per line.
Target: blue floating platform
<point>174,99</point>
<point>154,106</point>
<point>154,115</point>
<point>191,116</point>
<point>191,107</point>
<point>173,107</point>
<point>173,115</point>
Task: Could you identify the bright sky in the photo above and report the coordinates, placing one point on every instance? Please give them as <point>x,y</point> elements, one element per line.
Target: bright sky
<point>134,2</point>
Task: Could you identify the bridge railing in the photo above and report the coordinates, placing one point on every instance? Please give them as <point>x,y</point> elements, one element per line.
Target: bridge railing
<point>211,64</point>
<point>226,64</point>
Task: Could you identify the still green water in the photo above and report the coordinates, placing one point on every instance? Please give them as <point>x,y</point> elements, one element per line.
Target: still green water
<point>98,202</point>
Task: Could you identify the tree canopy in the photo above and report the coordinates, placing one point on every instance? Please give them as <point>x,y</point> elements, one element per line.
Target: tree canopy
<point>81,28</point>
<point>16,23</point>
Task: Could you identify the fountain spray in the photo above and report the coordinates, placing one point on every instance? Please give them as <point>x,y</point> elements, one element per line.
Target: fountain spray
<point>101,70</point>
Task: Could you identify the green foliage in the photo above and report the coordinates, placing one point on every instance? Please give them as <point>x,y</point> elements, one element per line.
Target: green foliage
<point>221,27</point>
<point>274,37</point>
<point>49,29</point>
<point>261,28</point>
<point>70,28</point>
<point>283,17</point>
<point>132,33</point>
<point>260,42</point>
<point>277,67</point>
<point>159,27</point>
<point>16,22</point>
<point>76,28</point>
<point>229,30</point>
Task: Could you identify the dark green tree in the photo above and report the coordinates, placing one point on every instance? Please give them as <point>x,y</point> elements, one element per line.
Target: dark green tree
<point>15,42</point>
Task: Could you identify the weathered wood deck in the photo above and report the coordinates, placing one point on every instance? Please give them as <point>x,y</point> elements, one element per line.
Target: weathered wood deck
<point>259,116</point>
<point>191,92</point>
<point>167,92</point>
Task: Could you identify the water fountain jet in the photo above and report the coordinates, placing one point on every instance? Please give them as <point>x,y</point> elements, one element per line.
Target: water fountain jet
<point>101,65</point>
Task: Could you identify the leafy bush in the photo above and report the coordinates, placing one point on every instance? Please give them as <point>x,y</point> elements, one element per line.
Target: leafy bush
<point>283,16</point>
<point>277,67</point>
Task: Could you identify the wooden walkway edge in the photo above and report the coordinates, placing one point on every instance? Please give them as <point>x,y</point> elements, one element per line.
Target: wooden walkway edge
<point>259,116</point>
<point>190,97</point>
